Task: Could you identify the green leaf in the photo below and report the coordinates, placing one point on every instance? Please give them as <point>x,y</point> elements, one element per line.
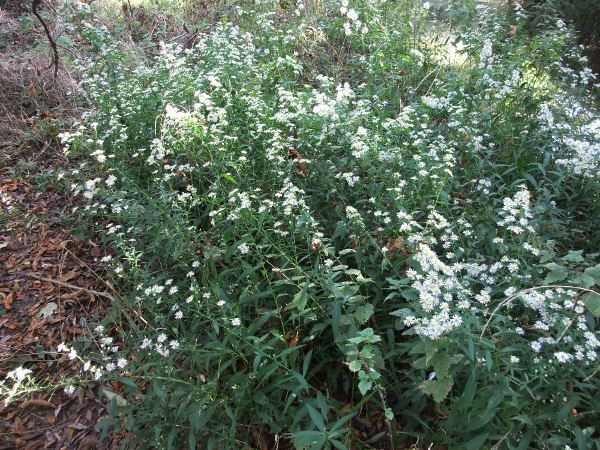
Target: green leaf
<point>441,363</point>
<point>230,178</point>
<point>363,313</point>
<point>389,414</point>
<point>575,256</point>
<point>341,422</point>
<point>354,366</point>
<point>364,386</point>
<point>583,280</point>
<point>557,273</point>
<point>305,439</point>
<point>300,299</point>
<point>594,272</point>
<point>120,401</point>
<point>316,417</point>
<point>476,443</point>
<point>592,301</point>
<point>438,389</point>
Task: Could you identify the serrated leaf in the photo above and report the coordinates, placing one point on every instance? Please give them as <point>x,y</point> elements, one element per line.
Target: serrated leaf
<point>574,256</point>
<point>364,386</point>
<point>353,272</point>
<point>47,311</point>
<point>557,273</point>
<point>582,280</point>
<point>441,363</point>
<point>438,389</point>
<point>354,366</point>
<point>363,313</point>
<point>593,272</point>
<point>592,302</point>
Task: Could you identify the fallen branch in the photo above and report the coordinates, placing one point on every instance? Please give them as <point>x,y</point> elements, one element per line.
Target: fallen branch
<point>34,7</point>
<point>72,286</point>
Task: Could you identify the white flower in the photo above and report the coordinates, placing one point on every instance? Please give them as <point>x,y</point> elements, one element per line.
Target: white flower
<point>563,357</point>
<point>110,181</point>
<point>514,359</point>
<point>69,390</point>
<point>121,363</point>
<point>352,14</point>
<point>236,322</point>
<point>243,248</point>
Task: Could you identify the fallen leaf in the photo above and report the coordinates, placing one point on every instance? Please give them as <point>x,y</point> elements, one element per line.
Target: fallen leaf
<point>8,300</point>
<point>36,402</point>
<point>120,401</point>
<point>47,311</point>
<point>69,275</point>
<point>19,428</point>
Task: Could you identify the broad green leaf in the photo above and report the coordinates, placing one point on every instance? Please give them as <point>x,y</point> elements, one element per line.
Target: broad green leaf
<point>557,273</point>
<point>582,280</point>
<point>438,389</point>
<point>364,386</point>
<point>592,301</point>
<point>363,313</point>
<point>354,366</point>
<point>574,256</point>
<point>594,272</point>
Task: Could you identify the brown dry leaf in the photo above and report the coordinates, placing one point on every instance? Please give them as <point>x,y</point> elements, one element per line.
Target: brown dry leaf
<point>36,402</point>
<point>34,445</point>
<point>295,341</point>
<point>259,439</point>
<point>8,300</point>
<point>70,275</point>
<point>301,166</point>
<point>19,428</point>
<point>397,244</point>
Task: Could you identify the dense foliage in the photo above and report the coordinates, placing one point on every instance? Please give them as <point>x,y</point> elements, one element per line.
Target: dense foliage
<point>324,211</point>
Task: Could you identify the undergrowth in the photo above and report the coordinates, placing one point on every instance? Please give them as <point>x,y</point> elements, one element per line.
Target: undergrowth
<point>316,216</point>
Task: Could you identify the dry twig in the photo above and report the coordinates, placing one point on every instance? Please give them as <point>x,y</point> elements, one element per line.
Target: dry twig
<point>34,6</point>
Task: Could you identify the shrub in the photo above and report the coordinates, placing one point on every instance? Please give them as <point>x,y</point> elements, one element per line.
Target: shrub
<point>316,215</point>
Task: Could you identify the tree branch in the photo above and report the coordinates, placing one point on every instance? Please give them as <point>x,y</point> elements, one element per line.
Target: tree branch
<point>34,6</point>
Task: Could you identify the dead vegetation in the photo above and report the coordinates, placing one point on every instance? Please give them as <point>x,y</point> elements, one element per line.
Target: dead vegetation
<point>41,262</point>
